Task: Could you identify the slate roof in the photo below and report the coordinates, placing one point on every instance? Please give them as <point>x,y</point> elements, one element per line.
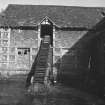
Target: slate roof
<point>63,16</point>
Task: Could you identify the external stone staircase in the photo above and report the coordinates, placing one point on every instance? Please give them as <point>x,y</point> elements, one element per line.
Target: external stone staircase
<point>42,63</point>
<point>41,66</point>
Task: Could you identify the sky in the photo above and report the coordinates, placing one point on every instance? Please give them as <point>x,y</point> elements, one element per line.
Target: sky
<point>87,3</point>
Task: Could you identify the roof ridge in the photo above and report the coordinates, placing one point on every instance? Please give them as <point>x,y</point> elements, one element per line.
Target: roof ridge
<point>53,6</point>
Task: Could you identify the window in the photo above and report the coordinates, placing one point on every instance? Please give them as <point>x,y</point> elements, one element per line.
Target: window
<point>4,49</point>
<point>12,57</point>
<point>25,52</point>
<point>12,49</point>
<point>5,35</point>
<point>4,58</point>
<point>5,42</point>
<point>19,52</point>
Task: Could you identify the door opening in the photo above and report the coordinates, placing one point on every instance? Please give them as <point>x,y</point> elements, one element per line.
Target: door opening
<point>47,29</point>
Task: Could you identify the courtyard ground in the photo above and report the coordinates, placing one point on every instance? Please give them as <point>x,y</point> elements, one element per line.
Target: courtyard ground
<point>13,92</point>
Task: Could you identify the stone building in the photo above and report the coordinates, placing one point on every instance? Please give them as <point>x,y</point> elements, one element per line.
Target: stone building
<point>72,32</point>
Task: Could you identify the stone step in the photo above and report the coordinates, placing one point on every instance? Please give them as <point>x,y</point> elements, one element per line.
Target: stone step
<point>39,76</point>
<point>40,71</point>
<point>42,60</point>
<point>44,51</point>
<point>40,68</point>
<point>39,82</point>
<point>41,65</point>
<point>43,57</point>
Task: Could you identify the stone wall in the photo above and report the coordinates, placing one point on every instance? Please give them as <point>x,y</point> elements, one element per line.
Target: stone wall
<point>74,59</point>
<point>70,52</point>
<point>22,48</point>
<point>81,64</point>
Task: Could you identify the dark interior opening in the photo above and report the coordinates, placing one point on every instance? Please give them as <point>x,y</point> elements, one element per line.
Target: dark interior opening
<point>47,29</point>
<point>19,52</point>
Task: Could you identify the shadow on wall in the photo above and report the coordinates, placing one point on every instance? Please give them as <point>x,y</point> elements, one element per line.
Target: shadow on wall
<point>82,66</point>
